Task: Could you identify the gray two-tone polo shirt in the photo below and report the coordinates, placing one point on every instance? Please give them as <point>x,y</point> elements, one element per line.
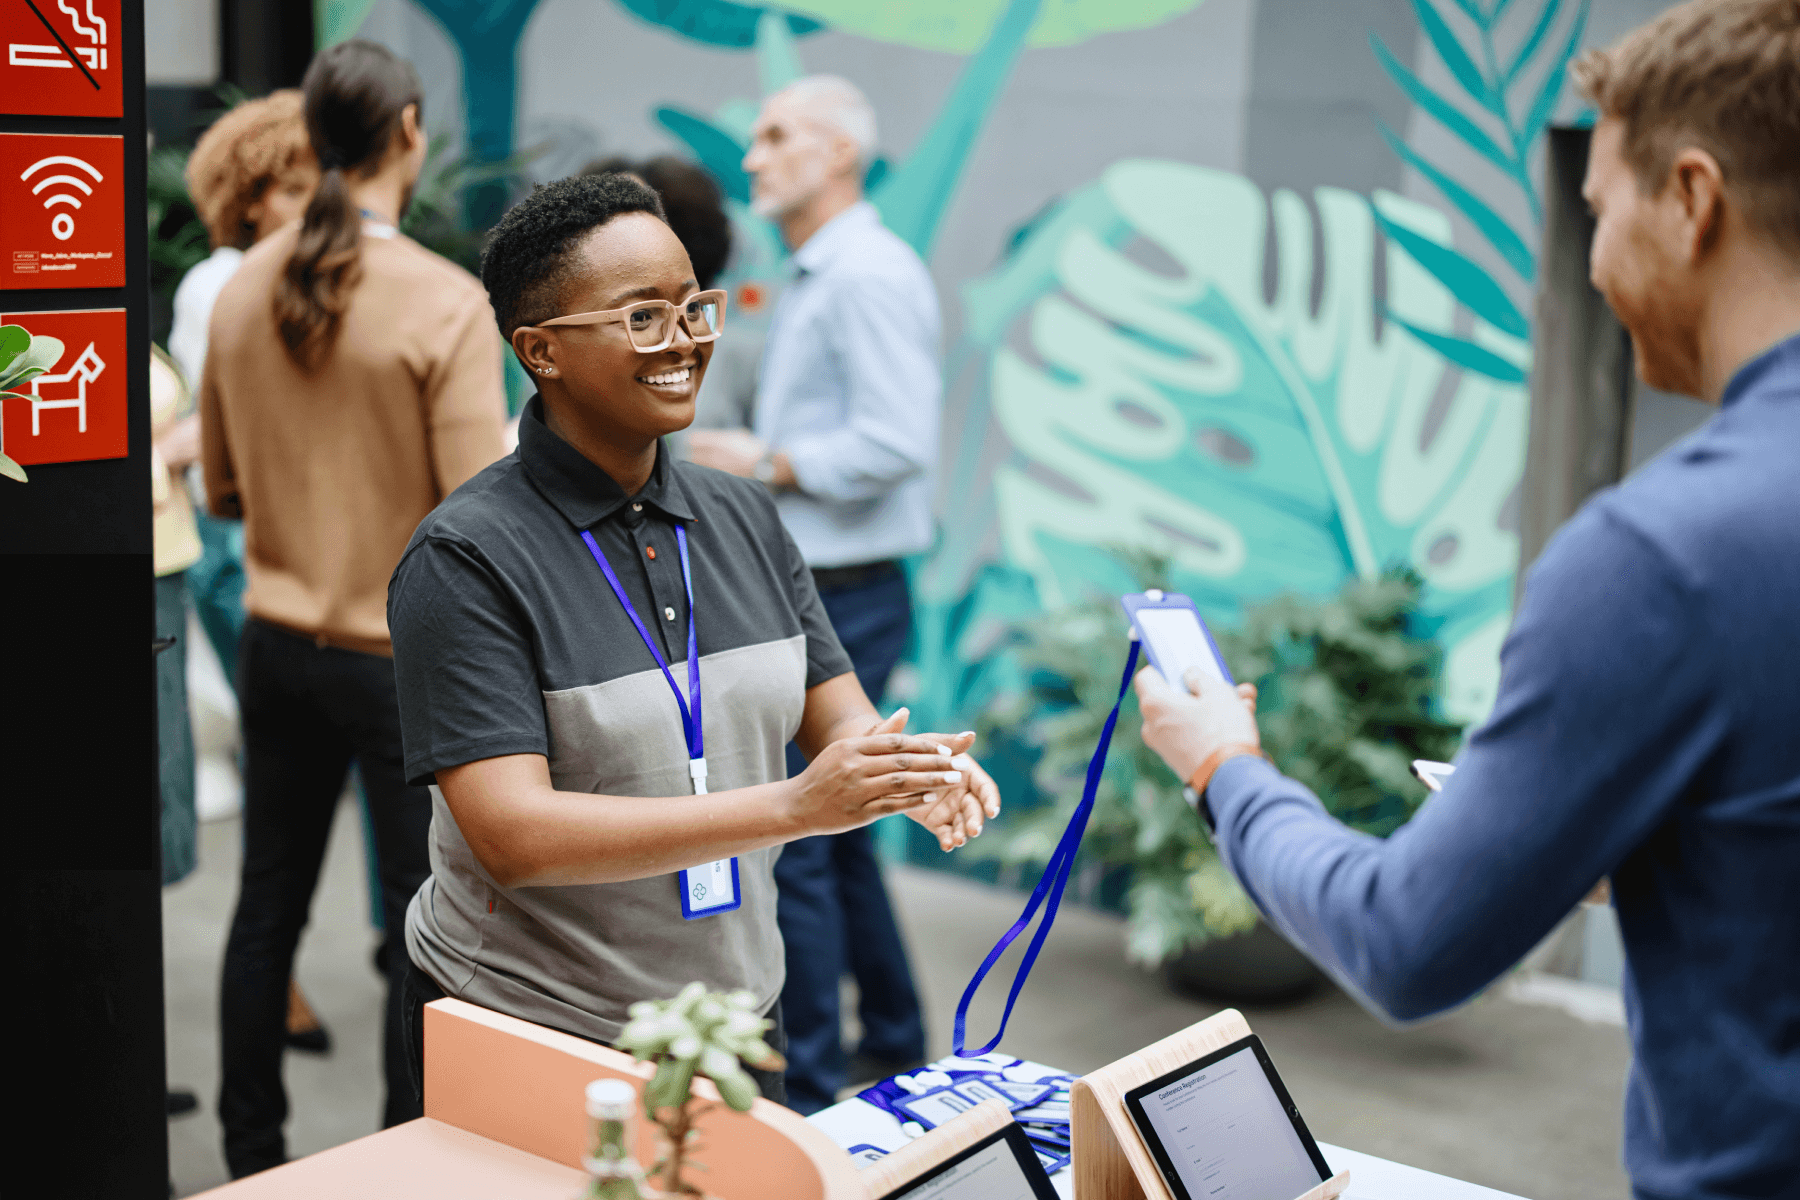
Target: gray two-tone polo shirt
<point>508,640</point>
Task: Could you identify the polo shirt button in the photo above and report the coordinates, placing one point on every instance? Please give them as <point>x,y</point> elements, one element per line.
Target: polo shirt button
<point>637,508</point>
<point>668,614</point>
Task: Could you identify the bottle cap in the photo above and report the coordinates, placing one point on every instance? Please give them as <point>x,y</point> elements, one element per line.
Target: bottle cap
<point>611,1100</point>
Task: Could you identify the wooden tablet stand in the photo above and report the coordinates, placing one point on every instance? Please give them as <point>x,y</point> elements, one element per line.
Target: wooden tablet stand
<point>523,1085</point>
<point>1110,1161</point>
<point>918,1156</point>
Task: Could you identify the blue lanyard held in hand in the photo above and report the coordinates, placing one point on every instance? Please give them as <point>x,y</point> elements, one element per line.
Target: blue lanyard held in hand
<point>710,888</point>
<point>1055,878</point>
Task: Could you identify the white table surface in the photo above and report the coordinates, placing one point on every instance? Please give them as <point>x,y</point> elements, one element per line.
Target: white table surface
<point>857,1122</point>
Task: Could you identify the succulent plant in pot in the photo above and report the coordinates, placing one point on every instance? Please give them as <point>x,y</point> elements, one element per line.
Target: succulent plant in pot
<point>1348,686</point>
<point>697,1033</point>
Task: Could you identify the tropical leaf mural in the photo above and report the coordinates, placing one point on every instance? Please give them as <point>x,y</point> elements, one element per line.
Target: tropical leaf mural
<point>1144,393</point>
<point>1506,102</point>
<point>962,26</point>
<point>1154,398</point>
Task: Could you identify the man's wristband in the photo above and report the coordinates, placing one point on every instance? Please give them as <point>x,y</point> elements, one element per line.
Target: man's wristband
<point>1211,763</point>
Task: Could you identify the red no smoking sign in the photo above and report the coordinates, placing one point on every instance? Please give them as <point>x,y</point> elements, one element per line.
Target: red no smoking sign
<point>62,210</point>
<point>77,410</point>
<point>62,58</point>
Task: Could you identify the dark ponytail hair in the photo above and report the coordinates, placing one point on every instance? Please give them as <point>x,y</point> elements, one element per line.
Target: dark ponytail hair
<point>356,93</point>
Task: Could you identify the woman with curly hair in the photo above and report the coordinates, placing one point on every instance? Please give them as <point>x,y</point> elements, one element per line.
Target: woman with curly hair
<point>251,173</point>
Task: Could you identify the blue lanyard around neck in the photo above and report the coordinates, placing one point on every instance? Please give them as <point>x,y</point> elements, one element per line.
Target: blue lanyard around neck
<point>1055,878</point>
<point>690,708</point>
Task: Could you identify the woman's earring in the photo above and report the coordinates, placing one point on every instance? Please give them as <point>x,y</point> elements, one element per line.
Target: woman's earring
<point>543,370</point>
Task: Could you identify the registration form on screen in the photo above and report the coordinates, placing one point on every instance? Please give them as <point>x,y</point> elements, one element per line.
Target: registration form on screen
<point>1227,1136</point>
<point>991,1173</point>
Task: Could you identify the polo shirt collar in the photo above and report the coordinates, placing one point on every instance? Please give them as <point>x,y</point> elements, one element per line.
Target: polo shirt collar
<point>835,237</point>
<point>1781,358</point>
<point>583,493</point>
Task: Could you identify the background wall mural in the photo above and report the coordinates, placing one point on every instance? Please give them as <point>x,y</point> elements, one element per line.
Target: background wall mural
<point>1244,283</point>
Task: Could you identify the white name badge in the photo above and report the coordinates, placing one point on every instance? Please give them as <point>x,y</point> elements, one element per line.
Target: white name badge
<point>711,888</point>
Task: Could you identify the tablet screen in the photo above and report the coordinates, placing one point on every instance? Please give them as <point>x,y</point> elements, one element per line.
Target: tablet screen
<point>1224,1129</point>
<point>993,1169</point>
<point>1180,643</point>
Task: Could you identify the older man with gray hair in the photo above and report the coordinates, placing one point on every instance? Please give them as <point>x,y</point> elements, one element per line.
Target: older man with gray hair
<point>846,437</point>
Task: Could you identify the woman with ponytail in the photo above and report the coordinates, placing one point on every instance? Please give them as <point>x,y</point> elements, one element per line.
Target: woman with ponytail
<point>352,381</point>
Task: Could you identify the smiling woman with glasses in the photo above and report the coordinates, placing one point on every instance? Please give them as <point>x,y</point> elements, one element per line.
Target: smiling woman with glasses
<point>601,653</point>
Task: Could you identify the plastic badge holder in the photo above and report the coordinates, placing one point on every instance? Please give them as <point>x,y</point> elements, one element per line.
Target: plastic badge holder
<point>937,1106</point>
<point>1023,1095</point>
<point>1174,636</point>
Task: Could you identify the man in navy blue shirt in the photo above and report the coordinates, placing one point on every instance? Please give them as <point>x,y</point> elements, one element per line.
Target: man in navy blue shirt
<point>1648,720</point>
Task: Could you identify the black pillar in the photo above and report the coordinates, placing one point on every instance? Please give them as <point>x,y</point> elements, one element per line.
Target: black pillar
<point>267,43</point>
<point>83,1003</point>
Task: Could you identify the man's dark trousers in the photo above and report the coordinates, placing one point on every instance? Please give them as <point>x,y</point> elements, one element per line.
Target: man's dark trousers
<point>308,710</point>
<point>833,908</point>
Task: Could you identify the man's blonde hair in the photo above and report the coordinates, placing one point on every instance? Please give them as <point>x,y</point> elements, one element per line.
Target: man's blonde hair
<point>236,160</point>
<point>1720,75</point>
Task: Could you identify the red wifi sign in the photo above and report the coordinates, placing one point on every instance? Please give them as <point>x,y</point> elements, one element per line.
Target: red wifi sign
<point>62,210</point>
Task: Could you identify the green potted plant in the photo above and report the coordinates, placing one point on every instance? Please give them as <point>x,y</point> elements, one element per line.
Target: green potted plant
<point>697,1033</point>
<point>23,358</point>
<point>1347,700</point>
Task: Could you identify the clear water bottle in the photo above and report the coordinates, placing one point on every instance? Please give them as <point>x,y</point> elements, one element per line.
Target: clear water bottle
<point>613,1170</point>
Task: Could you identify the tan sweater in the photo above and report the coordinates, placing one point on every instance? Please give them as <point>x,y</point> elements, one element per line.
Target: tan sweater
<point>332,472</point>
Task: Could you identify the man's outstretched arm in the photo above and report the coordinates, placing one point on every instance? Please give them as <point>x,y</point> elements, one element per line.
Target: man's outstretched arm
<point>1605,713</point>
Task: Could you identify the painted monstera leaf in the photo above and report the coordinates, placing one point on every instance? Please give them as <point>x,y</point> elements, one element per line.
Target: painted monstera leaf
<point>714,22</point>
<point>960,26</point>
<point>1154,396</point>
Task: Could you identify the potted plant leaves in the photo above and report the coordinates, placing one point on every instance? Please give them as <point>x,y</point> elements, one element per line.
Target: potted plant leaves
<point>1348,690</point>
<point>23,358</point>
<point>697,1033</point>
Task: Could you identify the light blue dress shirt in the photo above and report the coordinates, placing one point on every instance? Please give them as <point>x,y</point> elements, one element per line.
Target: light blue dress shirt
<point>852,391</point>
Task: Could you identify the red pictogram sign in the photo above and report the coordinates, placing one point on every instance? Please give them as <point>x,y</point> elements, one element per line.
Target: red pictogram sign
<point>62,210</point>
<point>77,410</point>
<point>61,58</point>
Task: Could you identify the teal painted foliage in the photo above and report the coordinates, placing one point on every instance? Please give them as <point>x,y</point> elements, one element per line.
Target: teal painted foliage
<point>715,22</point>
<point>1149,396</point>
<point>1515,93</point>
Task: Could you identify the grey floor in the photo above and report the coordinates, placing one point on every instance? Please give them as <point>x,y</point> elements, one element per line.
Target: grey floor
<point>1515,1096</point>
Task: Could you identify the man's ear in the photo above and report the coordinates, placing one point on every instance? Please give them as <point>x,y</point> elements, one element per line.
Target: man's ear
<point>845,159</point>
<point>1699,190</point>
<point>535,349</point>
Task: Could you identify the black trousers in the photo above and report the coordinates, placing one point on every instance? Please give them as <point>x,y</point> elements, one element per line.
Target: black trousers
<point>422,989</point>
<point>308,711</point>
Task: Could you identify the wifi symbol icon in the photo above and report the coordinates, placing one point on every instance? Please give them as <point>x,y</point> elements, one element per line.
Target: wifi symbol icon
<point>62,224</point>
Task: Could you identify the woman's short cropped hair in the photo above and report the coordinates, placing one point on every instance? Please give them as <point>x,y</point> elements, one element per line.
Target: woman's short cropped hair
<point>529,255</point>
<point>237,159</point>
<point>1720,75</point>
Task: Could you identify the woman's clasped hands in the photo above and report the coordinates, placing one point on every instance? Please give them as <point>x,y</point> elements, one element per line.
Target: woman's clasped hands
<point>928,776</point>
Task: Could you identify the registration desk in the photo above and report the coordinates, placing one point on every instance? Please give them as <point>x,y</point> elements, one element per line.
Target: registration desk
<point>504,1118</point>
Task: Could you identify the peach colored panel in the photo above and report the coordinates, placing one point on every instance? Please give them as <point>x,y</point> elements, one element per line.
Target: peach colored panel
<point>522,1085</point>
<point>420,1160</point>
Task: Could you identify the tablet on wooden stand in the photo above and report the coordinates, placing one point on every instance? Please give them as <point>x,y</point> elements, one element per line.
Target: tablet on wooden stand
<point>982,1154</point>
<point>1200,1111</point>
